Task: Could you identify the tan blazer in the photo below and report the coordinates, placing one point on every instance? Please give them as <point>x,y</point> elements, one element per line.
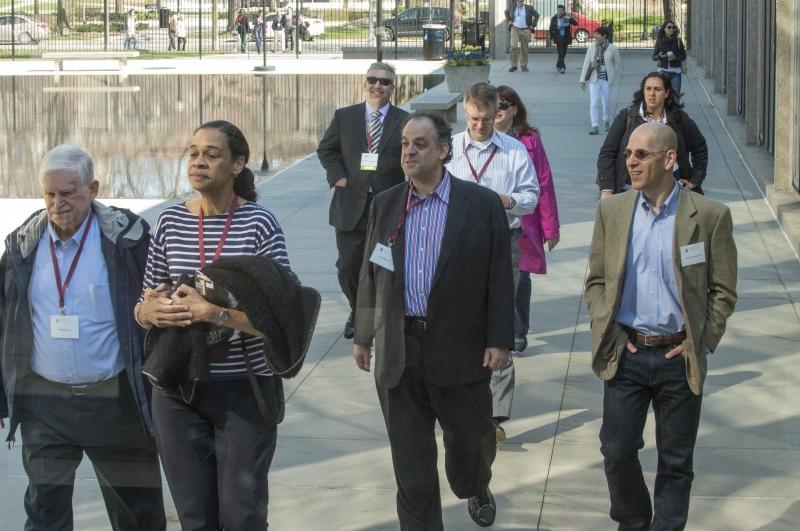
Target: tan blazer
<point>707,290</point>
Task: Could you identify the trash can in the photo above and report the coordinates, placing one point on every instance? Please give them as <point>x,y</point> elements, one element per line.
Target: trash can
<point>163,17</point>
<point>468,33</point>
<point>433,41</point>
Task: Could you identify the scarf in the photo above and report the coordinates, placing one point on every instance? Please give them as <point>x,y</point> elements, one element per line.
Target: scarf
<point>598,55</point>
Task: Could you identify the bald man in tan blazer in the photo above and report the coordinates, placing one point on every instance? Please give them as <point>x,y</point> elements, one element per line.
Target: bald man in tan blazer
<point>661,285</point>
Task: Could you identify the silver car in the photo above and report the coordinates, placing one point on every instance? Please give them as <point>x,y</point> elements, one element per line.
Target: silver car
<point>27,29</point>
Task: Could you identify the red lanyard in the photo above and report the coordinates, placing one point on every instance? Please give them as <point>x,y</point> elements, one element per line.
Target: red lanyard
<point>410,205</point>
<point>221,244</point>
<point>62,288</point>
<point>479,174</point>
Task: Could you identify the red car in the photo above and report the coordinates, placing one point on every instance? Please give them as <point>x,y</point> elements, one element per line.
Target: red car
<point>581,34</point>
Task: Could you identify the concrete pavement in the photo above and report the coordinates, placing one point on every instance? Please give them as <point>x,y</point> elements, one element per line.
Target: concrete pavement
<point>332,468</point>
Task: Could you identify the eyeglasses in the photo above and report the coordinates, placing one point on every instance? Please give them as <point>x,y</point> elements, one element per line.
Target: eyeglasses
<point>641,154</point>
<point>382,80</point>
<point>669,27</point>
<point>504,105</point>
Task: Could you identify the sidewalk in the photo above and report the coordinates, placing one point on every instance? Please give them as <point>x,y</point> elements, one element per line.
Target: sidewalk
<point>332,468</point>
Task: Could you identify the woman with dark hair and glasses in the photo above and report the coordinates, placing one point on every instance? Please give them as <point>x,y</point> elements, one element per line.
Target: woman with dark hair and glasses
<point>653,102</point>
<point>217,446</point>
<point>670,53</point>
<point>538,228</point>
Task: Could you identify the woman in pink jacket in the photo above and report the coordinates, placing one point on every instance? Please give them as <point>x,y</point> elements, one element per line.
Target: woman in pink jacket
<point>540,227</point>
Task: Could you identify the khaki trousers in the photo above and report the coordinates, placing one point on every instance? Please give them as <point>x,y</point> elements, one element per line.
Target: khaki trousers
<point>520,39</point>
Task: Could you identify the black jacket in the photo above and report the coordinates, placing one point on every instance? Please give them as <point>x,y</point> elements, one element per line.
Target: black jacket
<point>664,45</point>
<point>554,34</point>
<point>340,152</point>
<point>531,16</point>
<point>612,173</point>
<point>470,305</point>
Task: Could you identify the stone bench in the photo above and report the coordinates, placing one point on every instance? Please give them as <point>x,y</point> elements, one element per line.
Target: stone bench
<point>443,102</point>
<point>60,57</point>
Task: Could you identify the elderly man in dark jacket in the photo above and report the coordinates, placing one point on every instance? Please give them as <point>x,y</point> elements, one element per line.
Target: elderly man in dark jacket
<point>71,351</point>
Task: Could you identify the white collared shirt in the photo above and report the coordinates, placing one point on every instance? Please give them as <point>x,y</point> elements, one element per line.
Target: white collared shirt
<point>369,110</point>
<point>510,171</point>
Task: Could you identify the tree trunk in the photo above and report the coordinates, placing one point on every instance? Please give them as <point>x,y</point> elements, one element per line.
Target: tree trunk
<point>215,25</point>
<point>232,9</point>
<point>669,9</point>
<point>118,9</point>
<point>35,7</point>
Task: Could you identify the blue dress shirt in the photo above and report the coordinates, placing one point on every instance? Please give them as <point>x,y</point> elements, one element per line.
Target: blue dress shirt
<point>95,355</point>
<point>650,300</point>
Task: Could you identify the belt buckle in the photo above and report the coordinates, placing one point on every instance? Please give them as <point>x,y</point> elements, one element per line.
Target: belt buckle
<point>79,389</point>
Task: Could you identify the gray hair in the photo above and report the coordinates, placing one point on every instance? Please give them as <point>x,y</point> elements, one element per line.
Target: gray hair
<point>68,157</point>
<point>386,67</point>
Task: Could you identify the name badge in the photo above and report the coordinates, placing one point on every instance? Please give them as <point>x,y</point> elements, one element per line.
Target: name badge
<point>693,254</point>
<point>382,256</point>
<point>369,161</point>
<point>64,326</point>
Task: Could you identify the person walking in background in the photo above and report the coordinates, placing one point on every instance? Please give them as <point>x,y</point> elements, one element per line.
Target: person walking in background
<point>258,30</point>
<point>522,20</point>
<point>655,101</point>
<point>438,258</point>
<point>173,32</point>
<point>71,351</point>
<point>277,33</point>
<point>130,31</point>
<point>288,21</point>
<point>360,152</point>
<point>561,34</point>
<point>242,26</point>
<point>601,67</point>
<point>660,288</point>
<point>181,30</point>
<point>500,163</point>
<point>217,445</point>
<point>542,226</point>
<point>670,54</point>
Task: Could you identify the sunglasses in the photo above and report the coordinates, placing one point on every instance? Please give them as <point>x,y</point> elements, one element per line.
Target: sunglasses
<point>641,154</point>
<point>669,27</point>
<point>382,80</point>
<point>504,105</point>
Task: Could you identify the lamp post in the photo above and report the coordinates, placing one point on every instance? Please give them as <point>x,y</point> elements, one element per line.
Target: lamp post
<point>264,161</point>
<point>263,66</point>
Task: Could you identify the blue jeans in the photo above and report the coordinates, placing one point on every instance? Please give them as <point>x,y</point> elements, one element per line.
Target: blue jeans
<point>645,377</point>
<point>522,305</point>
<point>675,81</point>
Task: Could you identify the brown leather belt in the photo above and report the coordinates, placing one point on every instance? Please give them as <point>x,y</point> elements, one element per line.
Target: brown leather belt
<point>660,341</point>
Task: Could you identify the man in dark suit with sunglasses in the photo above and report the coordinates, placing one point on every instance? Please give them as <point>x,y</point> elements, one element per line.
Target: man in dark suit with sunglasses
<point>360,152</point>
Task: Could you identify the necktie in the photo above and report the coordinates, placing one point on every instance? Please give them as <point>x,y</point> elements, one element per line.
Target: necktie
<point>375,129</point>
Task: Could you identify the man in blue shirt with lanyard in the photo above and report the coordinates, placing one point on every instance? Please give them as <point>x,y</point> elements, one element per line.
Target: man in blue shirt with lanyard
<point>71,352</point>
<point>435,295</point>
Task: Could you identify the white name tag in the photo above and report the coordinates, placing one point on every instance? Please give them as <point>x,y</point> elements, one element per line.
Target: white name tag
<point>382,256</point>
<point>693,254</point>
<point>64,326</point>
<point>369,161</point>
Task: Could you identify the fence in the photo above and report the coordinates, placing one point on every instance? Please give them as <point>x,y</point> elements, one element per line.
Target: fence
<point>32,27</point>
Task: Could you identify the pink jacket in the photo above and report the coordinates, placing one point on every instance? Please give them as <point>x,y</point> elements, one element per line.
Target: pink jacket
<point>543,222</point>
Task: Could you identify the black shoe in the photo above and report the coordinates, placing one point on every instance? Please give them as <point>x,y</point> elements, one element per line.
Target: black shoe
<point>349,328</point>
<point>512,69</point>
<point>482,509</point>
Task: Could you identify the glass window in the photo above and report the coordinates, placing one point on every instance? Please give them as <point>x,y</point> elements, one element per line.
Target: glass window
<point>410,14</point>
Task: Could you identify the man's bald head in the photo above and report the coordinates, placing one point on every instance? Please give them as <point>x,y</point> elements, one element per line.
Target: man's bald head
<point>659,136</point>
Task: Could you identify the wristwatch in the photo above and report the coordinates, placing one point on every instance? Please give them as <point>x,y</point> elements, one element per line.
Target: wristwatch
<point>223,316</point>
<point>511,204</point>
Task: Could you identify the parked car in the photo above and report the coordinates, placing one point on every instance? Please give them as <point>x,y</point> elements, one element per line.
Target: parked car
<point>410,22</point>
<point>28,30</point>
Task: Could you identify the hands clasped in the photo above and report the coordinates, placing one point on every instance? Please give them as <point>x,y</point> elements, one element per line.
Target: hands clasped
<point>183,307</point>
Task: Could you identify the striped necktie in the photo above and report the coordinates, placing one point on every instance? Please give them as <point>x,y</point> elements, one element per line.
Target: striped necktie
<point>375,130</point>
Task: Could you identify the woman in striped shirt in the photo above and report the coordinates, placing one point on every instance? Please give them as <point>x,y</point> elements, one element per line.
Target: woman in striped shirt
<point>216,450</point>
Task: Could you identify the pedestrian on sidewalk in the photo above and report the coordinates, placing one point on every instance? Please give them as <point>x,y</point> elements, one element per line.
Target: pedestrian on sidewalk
<point>258,30</point>
<point>670,54</point>
<point>131,42</point>
<point>71,351</point>
<point>242,26</point>
<point>500,163</point>
<point>445,243</point>
<point>601,67</point>
<point>216,439</point>
<point>542,226</point>
<point>289,21</point>
<point>173,32</point>
<point>360,152</point>
<point>277,33</point>
<point>655,317</point>
<point>561,34</point>
<point>653,102</point>
<point>522,20</point>
<point>181,31</point>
